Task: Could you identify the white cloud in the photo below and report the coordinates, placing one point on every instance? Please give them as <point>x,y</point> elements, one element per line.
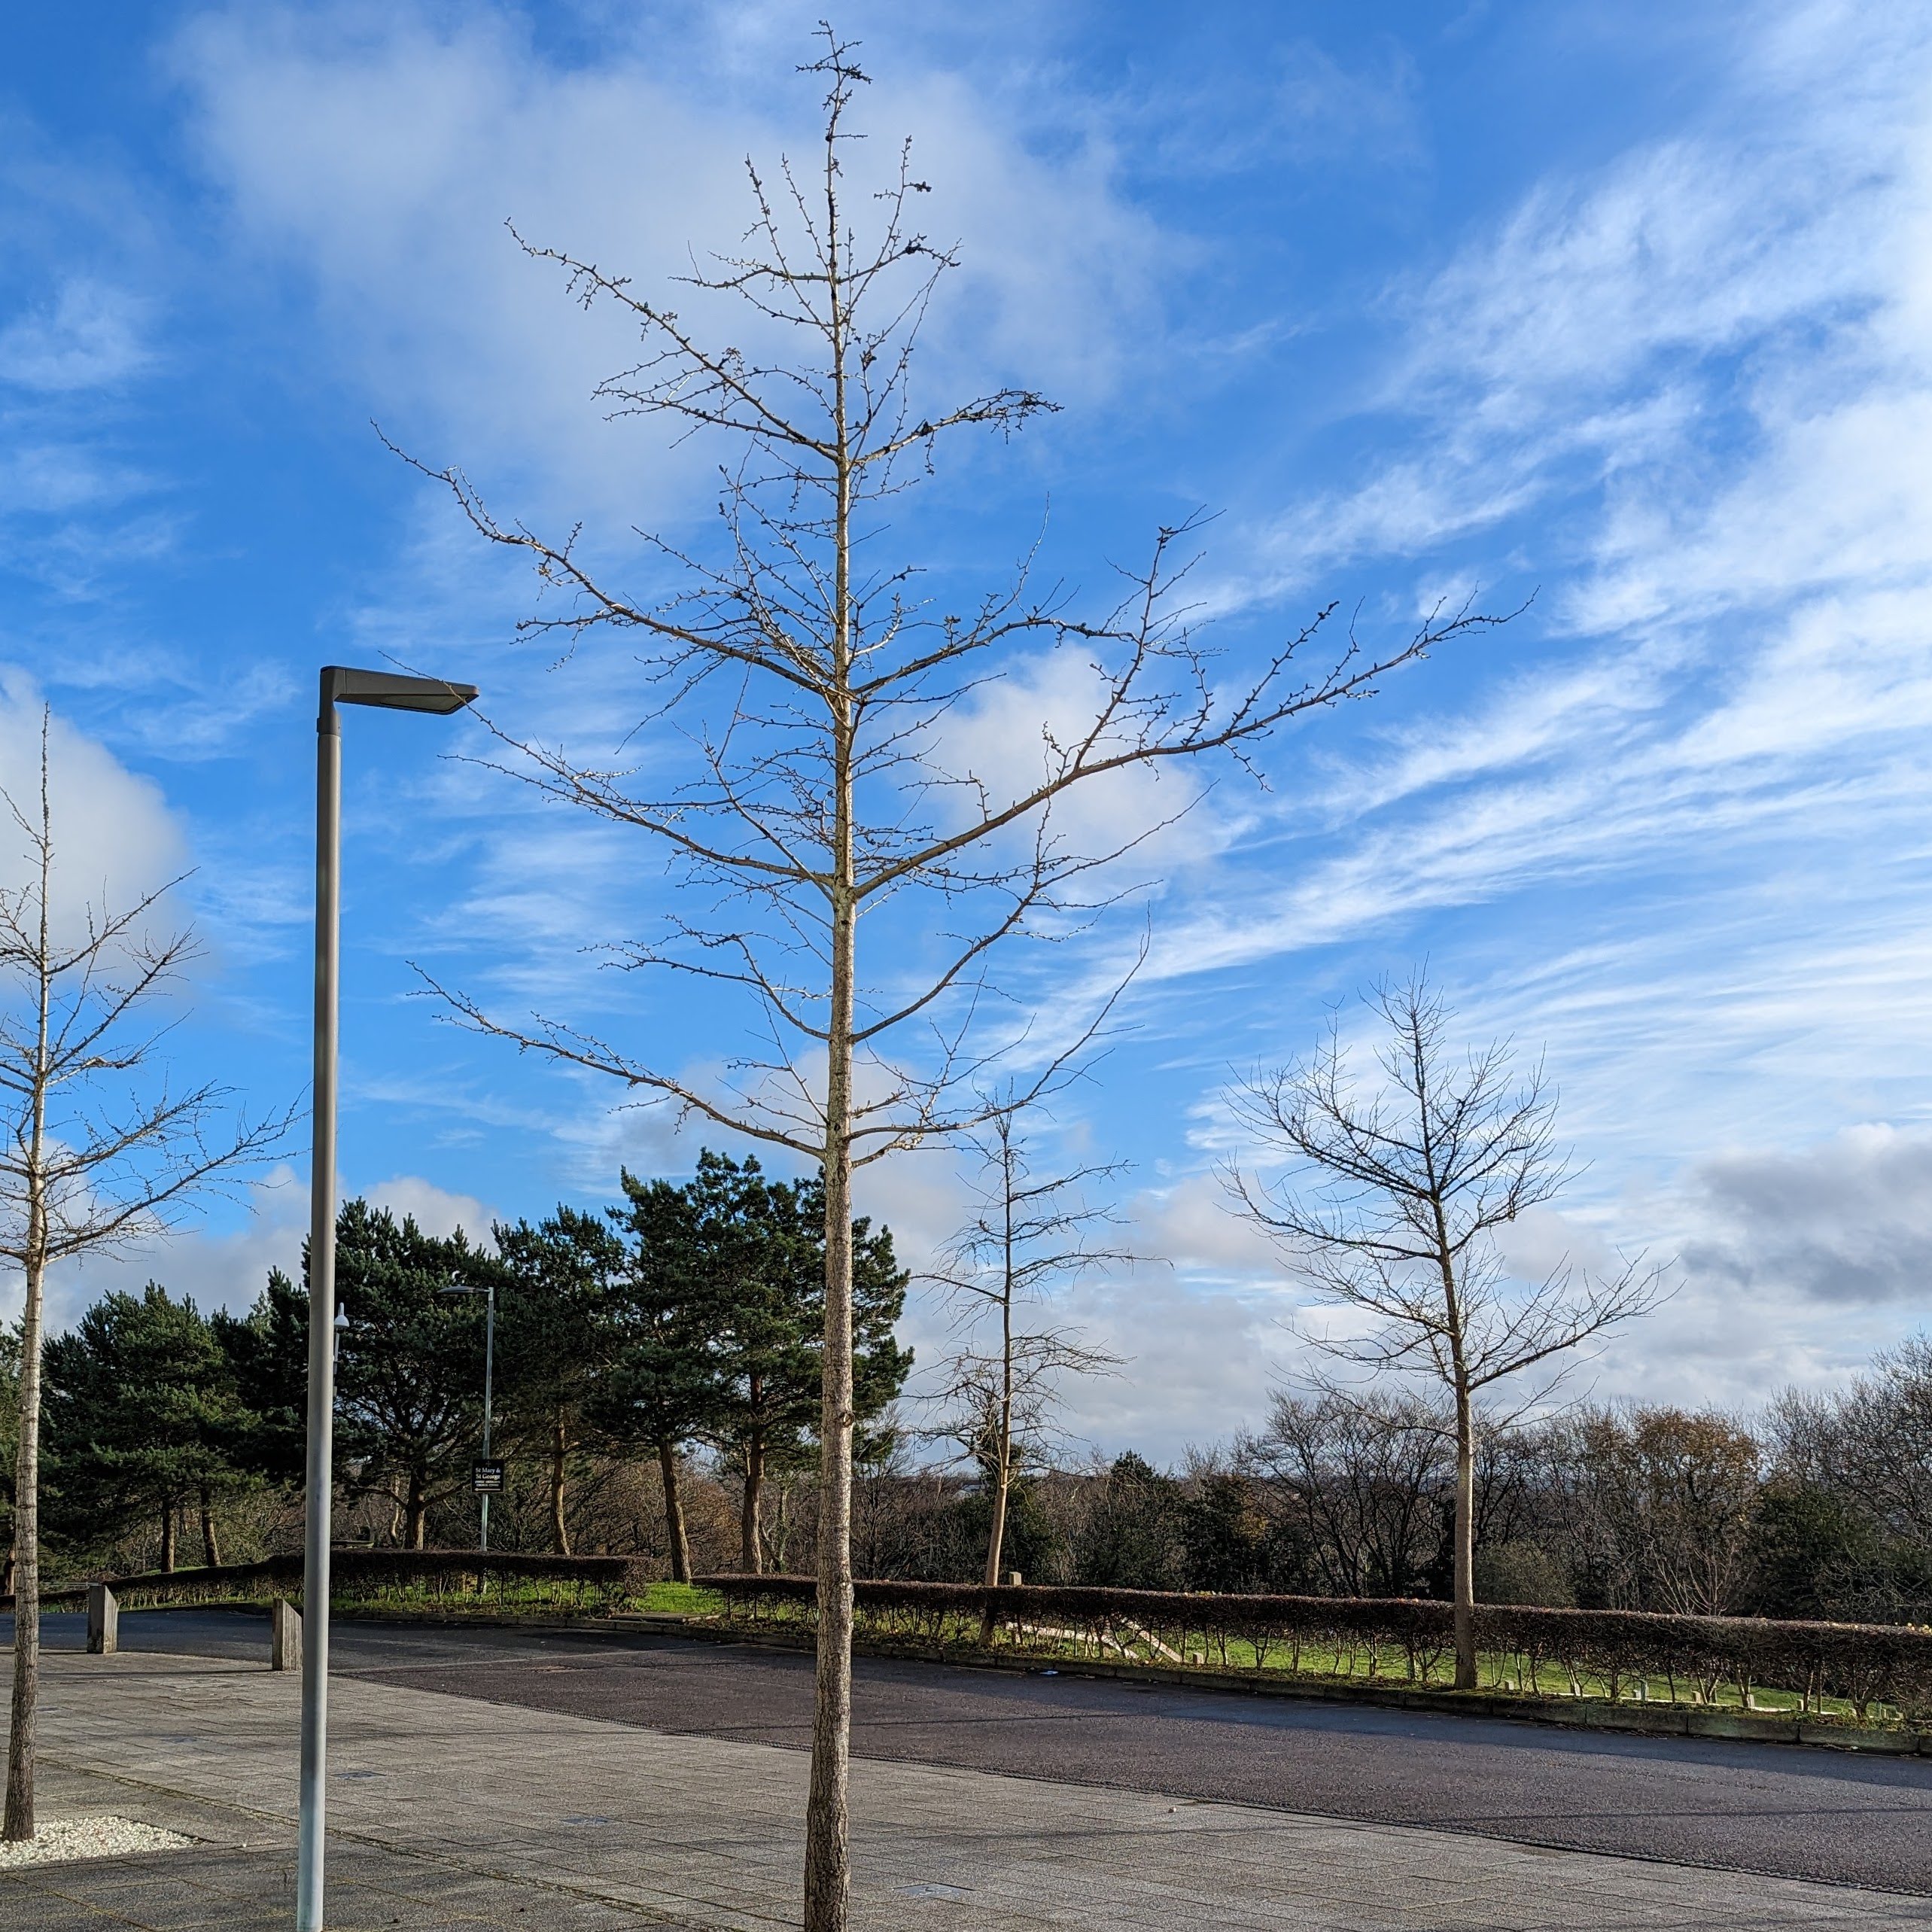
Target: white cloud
<point>88,336</point>
<point>116,839</point>
<point>436,1211</point>
<point>226,1265</point>
<point>222,1267</point>
<point>379,155</point>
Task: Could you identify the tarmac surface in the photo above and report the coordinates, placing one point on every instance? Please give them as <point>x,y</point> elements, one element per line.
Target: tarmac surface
<point>1792,1811</point>
<point>450,1812</point>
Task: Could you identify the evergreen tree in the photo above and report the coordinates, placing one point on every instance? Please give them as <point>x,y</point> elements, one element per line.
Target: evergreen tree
<point>723,1326</point>
<point>10,1444</point>
<point>143,1416</point>
<point>1133,1538</point>
<point>409,1371</point>
<point>762,1242</point>
<point>664,1388</point>
<point>555,1335</point>
<point>267,1352</point>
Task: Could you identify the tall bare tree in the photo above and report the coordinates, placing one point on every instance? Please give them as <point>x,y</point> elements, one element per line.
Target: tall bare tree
<point>1028,1234</point>
<point>822,705</point>
<point>97,1151</point>
<point>1392,1206</point>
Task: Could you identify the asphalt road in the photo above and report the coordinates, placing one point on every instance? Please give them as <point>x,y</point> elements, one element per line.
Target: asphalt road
<point>1797,1812</point>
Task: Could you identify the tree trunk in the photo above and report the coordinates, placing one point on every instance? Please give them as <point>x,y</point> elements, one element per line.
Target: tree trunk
<point>211,1543</point>
<point>168,1521</point>
<point>560,1448</point>
<point>1003,1475</point>
<point>415,1514</point>
<point>828,1850</point>
<point>673,1513</point>
<point>1465,1580</point>
<point>996,1540</point>
<point>828,1856</point>
<point>779,1540</point>
<point>750,1524</point>
<point>995,1534</point>
<point>1462,1586</point>
<point>19,1817</point>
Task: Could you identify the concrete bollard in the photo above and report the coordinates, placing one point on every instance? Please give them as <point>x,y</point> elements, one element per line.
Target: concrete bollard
<point>284,1636</point>
<point>103,1621</point>
<point>1013,1579</point>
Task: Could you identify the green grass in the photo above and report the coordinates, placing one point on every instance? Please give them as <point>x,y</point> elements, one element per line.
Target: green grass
<point>1506,1674</point>
<point>683,1599</point>
<point>536,1596</point>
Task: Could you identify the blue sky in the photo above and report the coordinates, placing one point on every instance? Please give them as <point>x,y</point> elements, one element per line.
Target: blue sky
<point>1627,308</point>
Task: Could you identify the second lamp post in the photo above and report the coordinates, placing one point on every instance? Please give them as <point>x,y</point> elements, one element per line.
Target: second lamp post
<point>489,1291</point>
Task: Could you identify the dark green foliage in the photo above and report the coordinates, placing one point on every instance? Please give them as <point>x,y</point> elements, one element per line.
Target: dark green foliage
<point>1816,1552</point>
<point>664,1386</point>
<point>1224,1537</point>
<point>409,1371</point>
<point>10,1429</point>
<point>143,1418</point>
<point>1134,1537</point>
<point>267,1351</point>
<point>722,1321</point>
<point>561,1289</point>
<point>1032,1544</point>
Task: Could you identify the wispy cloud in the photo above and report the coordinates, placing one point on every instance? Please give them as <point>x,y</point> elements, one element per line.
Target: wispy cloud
<point>88,336</point>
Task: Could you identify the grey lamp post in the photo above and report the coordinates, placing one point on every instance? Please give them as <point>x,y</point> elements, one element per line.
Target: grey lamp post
<point>340,685</point>
<point>488,1290</point>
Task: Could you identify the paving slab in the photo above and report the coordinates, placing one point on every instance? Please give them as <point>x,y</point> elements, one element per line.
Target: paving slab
<point>447,1811</point>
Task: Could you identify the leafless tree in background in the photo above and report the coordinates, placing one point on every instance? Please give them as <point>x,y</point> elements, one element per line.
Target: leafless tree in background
<point>1392,1206</point>
<point>95,1153</point>
<point>1671,1494</point>
<point>1029,1233</point>
<point>1873,1439</point>
<point>1358,1484</point>
<point>818,694</point>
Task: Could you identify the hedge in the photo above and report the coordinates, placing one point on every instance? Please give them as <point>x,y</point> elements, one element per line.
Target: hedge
<point>1618,1652</point>
<point>597,1581</point>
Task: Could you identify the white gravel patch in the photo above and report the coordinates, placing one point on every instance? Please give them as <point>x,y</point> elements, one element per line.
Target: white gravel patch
<point>67,1839</point>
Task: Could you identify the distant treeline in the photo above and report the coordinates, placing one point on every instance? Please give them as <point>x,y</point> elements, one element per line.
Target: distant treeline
<point>1821,1508</point>
<point>657,1387</point>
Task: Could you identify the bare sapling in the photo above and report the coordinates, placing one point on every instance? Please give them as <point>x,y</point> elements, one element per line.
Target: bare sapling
<point>97,1152</point>
<point>1029,1234</point>
<point>1396,1191</point>
<point>807,764</point>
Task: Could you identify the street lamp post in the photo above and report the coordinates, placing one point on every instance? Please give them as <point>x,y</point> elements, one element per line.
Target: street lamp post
<point>489,1291</point>
<point>340,685</point>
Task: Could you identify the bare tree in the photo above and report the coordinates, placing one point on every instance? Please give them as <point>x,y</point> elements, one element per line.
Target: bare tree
<point>1674,1494</point>
<point>818,700</point>
<point>1357,1484</point>
<point>1029,1234</point>
<point>1393,1207</point>
<point>95,1152</point>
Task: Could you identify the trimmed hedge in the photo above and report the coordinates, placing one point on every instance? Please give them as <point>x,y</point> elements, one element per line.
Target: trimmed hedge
<point>1614,1652</point>
<point>597,1581</point>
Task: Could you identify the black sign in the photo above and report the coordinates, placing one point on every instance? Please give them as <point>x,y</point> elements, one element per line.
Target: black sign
<point>486,1479</point>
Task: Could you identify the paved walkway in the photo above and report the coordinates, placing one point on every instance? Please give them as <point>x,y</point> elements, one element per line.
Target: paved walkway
<point>450,1812</point>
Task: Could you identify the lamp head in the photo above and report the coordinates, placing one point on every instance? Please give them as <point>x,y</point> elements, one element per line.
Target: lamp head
<point>387,691</point>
